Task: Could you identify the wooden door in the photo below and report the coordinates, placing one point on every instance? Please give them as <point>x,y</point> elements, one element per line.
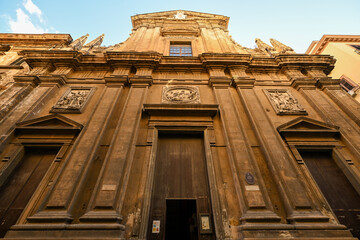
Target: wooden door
<point>181,176</point>
<point>20,186</point>
<point>336,188</point>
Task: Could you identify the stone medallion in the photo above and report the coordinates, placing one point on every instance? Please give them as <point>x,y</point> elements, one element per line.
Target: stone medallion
<point>180,94</point>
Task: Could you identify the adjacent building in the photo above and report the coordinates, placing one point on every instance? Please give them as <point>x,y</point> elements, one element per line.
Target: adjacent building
<point>178,132</point>
<point>346,51</point>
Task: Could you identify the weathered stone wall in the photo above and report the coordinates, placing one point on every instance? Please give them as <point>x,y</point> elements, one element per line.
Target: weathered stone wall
<point>103,108</point>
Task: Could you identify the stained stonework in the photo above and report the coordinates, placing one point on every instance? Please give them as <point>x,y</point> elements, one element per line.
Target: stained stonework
<point>73,100</point>
<point>180,94</point>
<point>148,149</point>
<point>284,102</point>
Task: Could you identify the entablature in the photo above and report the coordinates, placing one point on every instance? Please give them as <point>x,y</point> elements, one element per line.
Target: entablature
<point>64,63</point>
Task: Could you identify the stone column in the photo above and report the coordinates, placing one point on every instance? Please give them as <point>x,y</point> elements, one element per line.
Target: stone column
<point>108,196</point>
<point>295,195</point>
<point>251,191</point>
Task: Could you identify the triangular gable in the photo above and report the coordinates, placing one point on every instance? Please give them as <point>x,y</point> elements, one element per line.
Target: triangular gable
<point>50,121</point>
<point>306,128</point>
<point>306,124</point>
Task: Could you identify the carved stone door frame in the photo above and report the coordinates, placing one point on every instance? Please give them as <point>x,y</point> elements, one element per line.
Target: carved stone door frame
<point>319,136</point>
<point>33,133</point>
<point>206,127</point>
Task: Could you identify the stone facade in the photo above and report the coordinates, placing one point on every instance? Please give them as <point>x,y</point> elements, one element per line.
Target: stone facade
<point>106,118</point>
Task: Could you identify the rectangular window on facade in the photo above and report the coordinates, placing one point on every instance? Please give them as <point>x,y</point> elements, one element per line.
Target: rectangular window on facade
<point>348,85</point>
<point>180,49</point>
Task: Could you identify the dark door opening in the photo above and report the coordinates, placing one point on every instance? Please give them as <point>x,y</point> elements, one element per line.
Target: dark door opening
<point>336,188</point>
<point>20,186</point>
<point>181,219</point>
<point>181,186</point>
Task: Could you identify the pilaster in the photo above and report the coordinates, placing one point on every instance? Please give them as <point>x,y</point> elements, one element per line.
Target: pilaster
<point>32,97</point>
<point>350,106</point>
<point>58,206</point>
<point>329,103</point>
<point>298,204</point>
<point>108,197</point>
<point>253,199</point>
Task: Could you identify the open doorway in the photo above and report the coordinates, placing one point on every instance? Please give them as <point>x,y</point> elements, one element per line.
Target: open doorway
<point>181,219</point>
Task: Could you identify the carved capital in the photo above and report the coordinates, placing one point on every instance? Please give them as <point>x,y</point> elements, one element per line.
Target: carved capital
<point>304,83</point>
<point>140,81</point>
<point>51,80</point>
<point>26,79</point>
<point>220,82</point>
<point>243,82</point>
<point>116,80</point>
<point>329,83</point>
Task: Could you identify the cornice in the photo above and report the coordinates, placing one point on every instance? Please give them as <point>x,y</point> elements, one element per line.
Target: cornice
<point>225,58</point>
<point>111,59</point>
<point>132,57</point>
<point>32,40</point>
<point>326,39</point>
<point>305,60</point>
<point>56,57</point>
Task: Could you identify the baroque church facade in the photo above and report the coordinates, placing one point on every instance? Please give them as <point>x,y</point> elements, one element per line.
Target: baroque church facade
<point>178,132</point>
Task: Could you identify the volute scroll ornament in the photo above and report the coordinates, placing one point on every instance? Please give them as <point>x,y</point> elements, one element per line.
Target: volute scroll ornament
<point>180,94</point>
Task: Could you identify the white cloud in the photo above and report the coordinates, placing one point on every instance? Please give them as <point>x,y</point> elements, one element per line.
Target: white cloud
<point>23,24</point>
<point>29,21</point>
<point>33,9</point>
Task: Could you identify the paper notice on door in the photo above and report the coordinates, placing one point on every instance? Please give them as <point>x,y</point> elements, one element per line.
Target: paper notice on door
<point>156,226</point>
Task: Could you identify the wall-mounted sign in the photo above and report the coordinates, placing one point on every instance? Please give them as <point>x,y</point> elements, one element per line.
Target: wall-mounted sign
<point>249,178</point>
<point>156,226</point>
<point>205,223</point>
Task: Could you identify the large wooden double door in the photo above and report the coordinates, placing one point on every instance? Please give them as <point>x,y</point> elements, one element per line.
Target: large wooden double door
<point>181,189</point>
<point>336,188</point>
<point>20,186</point>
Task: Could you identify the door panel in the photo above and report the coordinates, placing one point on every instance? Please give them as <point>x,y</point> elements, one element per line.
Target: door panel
<point>19,188</point>
<point>336,188</point>
<point>180,174</point>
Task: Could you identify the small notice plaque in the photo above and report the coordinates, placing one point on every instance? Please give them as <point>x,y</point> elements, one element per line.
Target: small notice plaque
<point>156,226</point>
<point>107,187</point>
<point>205,223</point>
<point>252,188</point>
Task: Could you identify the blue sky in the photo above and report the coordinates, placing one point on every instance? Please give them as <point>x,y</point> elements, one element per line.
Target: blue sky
<point>295,23</point>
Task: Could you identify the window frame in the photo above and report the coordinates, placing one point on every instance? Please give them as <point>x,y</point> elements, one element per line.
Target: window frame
<point>182,47</point>
<point>350,82</point>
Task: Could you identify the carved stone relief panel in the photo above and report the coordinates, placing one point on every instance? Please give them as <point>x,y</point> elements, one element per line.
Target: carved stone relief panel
<point>180,94</point>
<point>73,100</point>
<point>284,102</point>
